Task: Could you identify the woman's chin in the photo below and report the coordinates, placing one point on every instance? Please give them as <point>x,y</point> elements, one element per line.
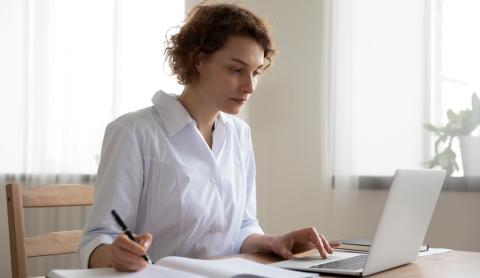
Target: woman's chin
<point>232,110</point>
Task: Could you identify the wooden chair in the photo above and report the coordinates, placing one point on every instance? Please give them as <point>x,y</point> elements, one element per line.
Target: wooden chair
<point>53,243</point>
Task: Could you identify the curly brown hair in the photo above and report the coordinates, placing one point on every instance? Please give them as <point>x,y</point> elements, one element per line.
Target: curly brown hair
<point>206,29</point>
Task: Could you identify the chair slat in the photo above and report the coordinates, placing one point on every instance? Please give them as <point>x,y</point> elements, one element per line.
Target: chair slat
<point>53,243</point>
<point>58,196</point>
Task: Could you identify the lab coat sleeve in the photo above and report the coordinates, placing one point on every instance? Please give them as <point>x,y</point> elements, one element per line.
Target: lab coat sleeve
<point>118,186</point>
<point>250,223</point>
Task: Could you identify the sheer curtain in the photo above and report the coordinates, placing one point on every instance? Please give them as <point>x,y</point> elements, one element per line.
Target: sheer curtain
<point>379,86</point>
<point>68,68</point>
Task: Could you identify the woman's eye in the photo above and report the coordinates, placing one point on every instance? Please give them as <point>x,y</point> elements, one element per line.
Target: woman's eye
<point>236,70</point>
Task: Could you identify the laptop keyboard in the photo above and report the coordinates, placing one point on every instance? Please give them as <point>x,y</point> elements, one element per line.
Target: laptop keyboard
<point>351,263</point>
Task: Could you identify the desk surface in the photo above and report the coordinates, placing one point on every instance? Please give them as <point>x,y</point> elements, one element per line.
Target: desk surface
<point>450,264</point>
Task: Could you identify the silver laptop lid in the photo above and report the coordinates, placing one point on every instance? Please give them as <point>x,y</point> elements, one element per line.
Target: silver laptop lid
<point>405,219</point>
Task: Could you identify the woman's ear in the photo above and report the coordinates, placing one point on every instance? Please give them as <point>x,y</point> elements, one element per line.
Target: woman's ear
<point>198,61</point>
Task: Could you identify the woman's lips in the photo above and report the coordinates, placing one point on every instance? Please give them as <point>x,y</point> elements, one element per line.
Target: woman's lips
<point>239,100</point>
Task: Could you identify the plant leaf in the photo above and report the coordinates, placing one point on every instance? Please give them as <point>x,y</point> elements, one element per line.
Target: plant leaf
<point>452,116</point>
<point>431,128</point>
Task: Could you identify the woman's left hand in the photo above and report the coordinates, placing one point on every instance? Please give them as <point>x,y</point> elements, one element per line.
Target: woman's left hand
<point>299,241</point>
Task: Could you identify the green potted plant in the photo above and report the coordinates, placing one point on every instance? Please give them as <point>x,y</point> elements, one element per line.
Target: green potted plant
<point>460,125</point>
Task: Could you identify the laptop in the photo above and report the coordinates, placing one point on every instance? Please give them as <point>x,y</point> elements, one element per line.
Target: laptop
<point>400,232</point>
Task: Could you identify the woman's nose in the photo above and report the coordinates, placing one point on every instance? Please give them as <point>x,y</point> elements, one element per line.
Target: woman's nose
<point>248,85</point>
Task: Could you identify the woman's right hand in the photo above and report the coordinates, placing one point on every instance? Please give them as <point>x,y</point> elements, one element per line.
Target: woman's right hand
<point>123,254</point>
<point>127,255</point>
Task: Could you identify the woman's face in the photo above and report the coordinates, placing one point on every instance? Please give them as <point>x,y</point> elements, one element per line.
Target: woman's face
<point>228,77</point>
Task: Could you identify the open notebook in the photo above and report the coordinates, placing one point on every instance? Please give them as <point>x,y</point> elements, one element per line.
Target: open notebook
<point>189,268</point>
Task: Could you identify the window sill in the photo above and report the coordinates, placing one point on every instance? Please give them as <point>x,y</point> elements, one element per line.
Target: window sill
<point>47,178</point>
<point>455,184</point>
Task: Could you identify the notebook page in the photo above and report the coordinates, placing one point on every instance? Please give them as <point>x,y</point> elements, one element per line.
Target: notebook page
<point>149,271</point>
<point>227,268</point>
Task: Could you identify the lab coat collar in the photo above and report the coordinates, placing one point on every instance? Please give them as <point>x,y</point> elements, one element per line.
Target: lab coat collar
<point>174,115</point>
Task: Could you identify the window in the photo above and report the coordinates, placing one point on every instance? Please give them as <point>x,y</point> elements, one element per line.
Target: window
<point>397,65</point>
<point>74,66</point>
<point>378,87</point>
<point>455,60</point>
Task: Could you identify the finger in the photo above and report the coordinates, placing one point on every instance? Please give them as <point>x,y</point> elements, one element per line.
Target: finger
<point>326,244</point>
<point>145,240</point>
<point>132,254</point>
<point>126,254</point>
<point>314,238</point>
<point>335,243</point>
<point>122,241</point>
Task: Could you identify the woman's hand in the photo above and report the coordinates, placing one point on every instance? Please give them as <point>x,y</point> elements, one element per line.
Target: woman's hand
<point>127,255</point>
<point>123,254</point>
<point>299,241</point>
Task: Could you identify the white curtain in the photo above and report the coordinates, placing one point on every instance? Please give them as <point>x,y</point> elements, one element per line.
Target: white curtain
<point>379,86</point>
<point>69,67</point>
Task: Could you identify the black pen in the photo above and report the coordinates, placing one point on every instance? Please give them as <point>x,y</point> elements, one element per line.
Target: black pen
<point>128,233</point>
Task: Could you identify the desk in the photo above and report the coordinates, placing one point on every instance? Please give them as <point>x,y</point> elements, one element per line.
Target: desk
<point>450,264</point>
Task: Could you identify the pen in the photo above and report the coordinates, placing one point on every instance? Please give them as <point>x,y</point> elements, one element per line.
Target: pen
<point>128,233</point>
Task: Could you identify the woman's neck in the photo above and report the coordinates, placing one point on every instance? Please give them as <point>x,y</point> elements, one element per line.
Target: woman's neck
<point>199,110</point>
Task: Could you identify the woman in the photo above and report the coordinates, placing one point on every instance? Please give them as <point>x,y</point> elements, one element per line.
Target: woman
<point>184,169</point>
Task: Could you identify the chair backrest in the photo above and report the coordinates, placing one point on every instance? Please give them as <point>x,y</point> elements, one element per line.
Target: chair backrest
<point>54,243</point>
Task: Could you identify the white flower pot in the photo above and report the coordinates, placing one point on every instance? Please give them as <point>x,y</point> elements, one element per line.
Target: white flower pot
<point>470,148</point>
